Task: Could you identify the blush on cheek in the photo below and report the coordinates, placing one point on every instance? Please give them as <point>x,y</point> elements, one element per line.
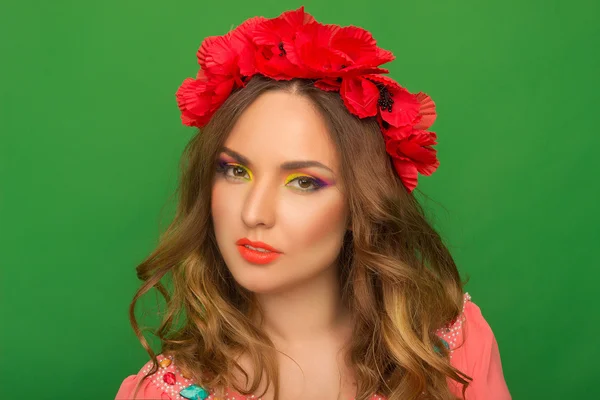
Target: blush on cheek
<point>318,227</point>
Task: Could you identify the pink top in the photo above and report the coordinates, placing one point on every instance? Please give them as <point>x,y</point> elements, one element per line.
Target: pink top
<point>478,357</point>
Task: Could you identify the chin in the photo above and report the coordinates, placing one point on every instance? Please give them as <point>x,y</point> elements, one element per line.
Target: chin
<point>258,286</point>
<point>254,279</point>
<point>259,280</point>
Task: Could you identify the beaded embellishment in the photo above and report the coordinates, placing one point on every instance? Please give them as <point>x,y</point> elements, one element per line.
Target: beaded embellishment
<point>169,379</point>
<point>451,334</point>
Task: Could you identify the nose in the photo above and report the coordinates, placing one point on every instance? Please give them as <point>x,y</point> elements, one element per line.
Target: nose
<point>259,205</point>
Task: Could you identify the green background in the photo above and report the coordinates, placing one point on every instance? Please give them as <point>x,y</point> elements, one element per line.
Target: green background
<point>91,137</point>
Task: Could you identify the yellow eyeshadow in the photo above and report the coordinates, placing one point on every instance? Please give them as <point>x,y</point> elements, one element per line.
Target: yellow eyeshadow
<point>293,176</point>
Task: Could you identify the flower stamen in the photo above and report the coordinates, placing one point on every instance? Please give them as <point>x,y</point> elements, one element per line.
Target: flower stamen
<point>385,98</point>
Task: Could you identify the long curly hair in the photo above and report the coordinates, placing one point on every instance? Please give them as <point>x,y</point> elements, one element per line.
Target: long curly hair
<point>397,276</point>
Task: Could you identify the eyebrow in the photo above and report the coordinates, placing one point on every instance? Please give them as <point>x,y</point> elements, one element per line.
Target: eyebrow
<point>289,165</point>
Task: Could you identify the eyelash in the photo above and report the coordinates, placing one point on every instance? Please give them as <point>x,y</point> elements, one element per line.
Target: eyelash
<point>224,167</point>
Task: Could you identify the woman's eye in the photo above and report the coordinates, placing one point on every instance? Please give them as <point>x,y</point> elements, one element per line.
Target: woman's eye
<point>306,183</point>
<point>237,171</point>
<point>232,171</point>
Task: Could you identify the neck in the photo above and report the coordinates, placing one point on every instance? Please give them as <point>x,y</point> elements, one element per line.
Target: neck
<point>309,311</point>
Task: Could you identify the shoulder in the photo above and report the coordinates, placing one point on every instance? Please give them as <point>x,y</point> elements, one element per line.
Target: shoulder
<point>167,383</point>
<point>474,351</point>
<point>470,331</point>
<point>470,324</point>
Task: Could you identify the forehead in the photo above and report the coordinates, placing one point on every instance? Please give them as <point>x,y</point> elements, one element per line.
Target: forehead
<point>280,126</point>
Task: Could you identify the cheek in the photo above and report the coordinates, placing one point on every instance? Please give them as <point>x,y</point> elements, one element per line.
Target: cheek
<point>320,226</point>
<point>221,209</point>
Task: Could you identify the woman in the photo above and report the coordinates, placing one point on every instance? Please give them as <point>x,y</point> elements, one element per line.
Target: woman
<point>301,264</point>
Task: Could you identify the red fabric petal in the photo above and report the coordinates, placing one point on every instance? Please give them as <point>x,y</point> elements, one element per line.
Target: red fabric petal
<point>199,99</point>
<point>220,92</point>
<point>270,36</point>
<point>328,84</point>
<point>406,106</point>
<point>297,17</point>
<point>386,80</point>
<point>407,171</point>
<point>193,107</point>
<point>241,43</point>
<point>417,149</point>
<point>360,96</point>
<point>312,50</point>
<point>246,30</point>
<point>398,133</point>
<point>231,54</point>
<point>357,43</point>
<point>272,31</point>
<point>360,47</point>
<point>359,70</point>
<point>405,110</point>
<point>414,154</point>
<point>204,50</point>
<point>384,56</point>
<point>217,56</point>
<point>270,63</point>
<point>427,111</point>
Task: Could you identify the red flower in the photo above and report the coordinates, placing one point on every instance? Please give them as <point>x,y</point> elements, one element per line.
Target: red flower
<point>413,154</point>
<point>400,107</point>
<point>274,38</point>
<point>198,99</point>
<point>360,49</point>
<point>230,55</point>
<point>241,42</point>
<point>333,51</point>
<point>216,56</point>
<point>311,49</point>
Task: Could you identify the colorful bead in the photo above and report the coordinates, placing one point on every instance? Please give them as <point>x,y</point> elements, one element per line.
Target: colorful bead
<point>165,362</point>
<point>169,378</point>
<point>162,379</point>
<point>194,392</point>
<point>446,345</point>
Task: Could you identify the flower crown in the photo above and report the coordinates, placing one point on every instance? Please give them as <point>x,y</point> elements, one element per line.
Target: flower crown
<point>342,59</point>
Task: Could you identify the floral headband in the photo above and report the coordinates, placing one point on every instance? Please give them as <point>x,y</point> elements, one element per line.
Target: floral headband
<point>342,59</point>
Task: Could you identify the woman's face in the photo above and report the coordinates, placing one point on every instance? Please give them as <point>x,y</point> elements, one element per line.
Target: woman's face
<point>298,210</point>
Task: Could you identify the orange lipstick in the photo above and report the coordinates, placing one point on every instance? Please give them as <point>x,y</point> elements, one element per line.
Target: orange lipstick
<point>259,253</point>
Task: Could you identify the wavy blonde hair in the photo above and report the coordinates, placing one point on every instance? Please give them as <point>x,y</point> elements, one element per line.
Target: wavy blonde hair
<point>397,276</point>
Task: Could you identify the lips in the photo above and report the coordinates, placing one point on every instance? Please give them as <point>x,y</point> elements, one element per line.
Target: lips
<point>260,245</point>
<point>256,256</point>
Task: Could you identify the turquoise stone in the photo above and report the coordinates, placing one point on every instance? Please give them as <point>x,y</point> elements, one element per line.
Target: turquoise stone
<point>194,392</point>
<point>437,349</point>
